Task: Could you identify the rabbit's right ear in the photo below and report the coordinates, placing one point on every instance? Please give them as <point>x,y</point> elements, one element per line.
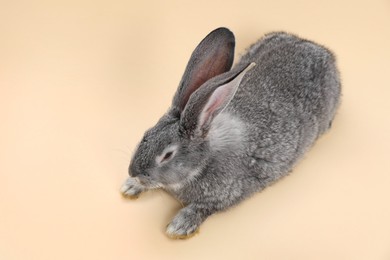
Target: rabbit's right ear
<point>210,100</point>
<point>213,56</point>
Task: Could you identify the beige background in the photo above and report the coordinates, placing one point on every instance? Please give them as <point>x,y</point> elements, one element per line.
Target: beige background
<point>80,81</point>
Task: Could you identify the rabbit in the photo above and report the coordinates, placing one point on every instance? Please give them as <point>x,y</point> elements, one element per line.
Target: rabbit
<point>232,132</point>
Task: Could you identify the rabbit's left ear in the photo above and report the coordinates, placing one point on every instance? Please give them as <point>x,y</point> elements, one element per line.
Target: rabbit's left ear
<point>213,56</point>
<point>206,103</point>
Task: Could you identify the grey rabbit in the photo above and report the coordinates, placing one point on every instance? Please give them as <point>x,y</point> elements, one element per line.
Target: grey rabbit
<point>232,132</point>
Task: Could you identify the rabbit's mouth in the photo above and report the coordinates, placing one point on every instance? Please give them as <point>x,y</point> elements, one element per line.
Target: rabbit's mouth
<point>142,181</point>
<point>149,183</point>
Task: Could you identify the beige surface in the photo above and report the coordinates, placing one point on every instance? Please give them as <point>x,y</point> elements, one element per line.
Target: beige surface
<point>80,81</point>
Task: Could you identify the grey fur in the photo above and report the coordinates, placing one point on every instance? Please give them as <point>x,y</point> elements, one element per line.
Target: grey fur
<point>280,108</point>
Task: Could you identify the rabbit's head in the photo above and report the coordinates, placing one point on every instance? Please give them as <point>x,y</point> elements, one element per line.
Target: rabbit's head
<point>177,147</point>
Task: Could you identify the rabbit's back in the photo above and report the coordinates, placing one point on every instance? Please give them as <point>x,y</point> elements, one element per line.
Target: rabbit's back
<point>286,101</point>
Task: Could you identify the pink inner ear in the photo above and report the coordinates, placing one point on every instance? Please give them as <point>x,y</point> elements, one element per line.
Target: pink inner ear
<point>217,101</point>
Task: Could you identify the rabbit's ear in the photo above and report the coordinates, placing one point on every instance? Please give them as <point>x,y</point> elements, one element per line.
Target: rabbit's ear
<point>214,55</point>
<point>208,102</point>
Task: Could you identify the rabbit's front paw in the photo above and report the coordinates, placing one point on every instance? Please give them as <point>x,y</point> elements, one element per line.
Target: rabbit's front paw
<point>185,224</point>
<point>132,188</point>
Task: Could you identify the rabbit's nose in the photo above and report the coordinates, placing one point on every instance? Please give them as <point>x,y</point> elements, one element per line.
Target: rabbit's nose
<point>133,172</point>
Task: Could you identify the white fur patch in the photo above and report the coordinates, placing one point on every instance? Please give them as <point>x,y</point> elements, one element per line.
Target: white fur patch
<point>177,186</point>
<point>226,132</point>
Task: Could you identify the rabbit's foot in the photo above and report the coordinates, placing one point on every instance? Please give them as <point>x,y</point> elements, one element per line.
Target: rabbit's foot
<point>185,224</point>
<point>132,188</point>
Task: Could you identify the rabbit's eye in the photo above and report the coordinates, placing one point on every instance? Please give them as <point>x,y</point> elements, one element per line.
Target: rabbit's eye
<point>167,156</point>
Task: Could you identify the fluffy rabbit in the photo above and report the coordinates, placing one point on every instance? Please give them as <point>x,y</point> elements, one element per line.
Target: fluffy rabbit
<point>231,133</point>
